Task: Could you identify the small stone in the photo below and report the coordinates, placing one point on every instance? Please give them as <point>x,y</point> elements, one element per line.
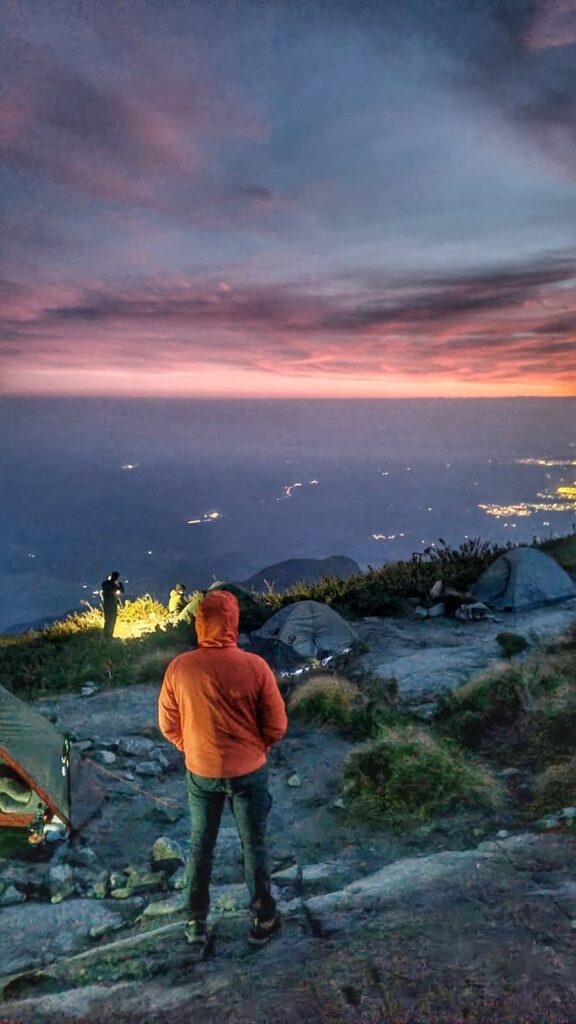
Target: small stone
<point>436,611</point>
<point>99,930</point>
<point>129,776</point>
<point>339,804</point>
<point>121,894</point>
<point>88,689</point>
<point>135,746</point>
<point>140,880</point>
<point>420,612</point>
<point>502,834</point>
<point>99,888</point>
<point>573,924</point>
<point>569,812</point>
<point>166,849</point>
<point>295,781</point>
<point>10,896</point>
<point>149,768</point>
<point>104,757</point>
<point>60,882</point>
<point>159,756</point>
<point>163,907</point>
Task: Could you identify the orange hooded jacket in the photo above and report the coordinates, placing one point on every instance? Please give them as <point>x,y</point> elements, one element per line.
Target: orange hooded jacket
<point>220,705</point>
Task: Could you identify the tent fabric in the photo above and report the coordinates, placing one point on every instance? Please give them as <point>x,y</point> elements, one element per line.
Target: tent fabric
<point>309,629</point>
<point>31,745</point>
<point>521,579</point>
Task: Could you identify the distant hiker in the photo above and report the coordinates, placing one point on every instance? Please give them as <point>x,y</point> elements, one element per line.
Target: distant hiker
<point>223,709</point>
<point>177,600</point>
<point>112,587</point>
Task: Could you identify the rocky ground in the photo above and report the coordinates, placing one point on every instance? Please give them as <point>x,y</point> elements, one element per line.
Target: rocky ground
<point>472,919</point>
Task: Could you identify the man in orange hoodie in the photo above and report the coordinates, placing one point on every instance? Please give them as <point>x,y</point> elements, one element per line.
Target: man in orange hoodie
<point>222,707</point>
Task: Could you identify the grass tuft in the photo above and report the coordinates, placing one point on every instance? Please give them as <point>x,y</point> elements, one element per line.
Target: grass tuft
<point>326,701</point>
<point>406,776</point>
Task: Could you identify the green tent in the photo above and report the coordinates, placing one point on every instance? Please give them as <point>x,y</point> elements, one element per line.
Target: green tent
<point>37,770</point>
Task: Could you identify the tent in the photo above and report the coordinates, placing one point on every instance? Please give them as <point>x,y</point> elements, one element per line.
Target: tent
<point>302,630</point>
<point>523,578</point>
<point>37,770</point>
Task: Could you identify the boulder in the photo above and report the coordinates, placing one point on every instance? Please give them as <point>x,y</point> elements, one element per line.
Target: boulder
<point>149,768</point>
<point>135,746</point>
<point>167,851</point>
<point>28,939</point>
<point>135,881</point>
<point>11,896</point>
<point>104,757</point>
<point>159,756</point>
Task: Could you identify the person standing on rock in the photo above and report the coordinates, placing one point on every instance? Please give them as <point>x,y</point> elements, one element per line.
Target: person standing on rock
<point>222,707</point>
<point>112,587</point>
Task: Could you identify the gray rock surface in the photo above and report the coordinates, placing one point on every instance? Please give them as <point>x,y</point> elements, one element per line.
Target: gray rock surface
<point>58,929</point>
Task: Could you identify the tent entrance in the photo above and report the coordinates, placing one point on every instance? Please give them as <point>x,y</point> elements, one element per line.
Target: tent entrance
<point>19,801</point>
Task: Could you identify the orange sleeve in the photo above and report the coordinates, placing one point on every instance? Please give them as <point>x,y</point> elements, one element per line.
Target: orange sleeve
<point>272,718</point>
<point>169,712</point>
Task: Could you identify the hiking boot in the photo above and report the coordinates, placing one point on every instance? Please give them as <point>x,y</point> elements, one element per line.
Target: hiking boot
<point>262,931</point>
<point>196,932</point>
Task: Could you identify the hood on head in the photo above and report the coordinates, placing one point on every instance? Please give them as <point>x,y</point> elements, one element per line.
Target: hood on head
<point>217,620</point>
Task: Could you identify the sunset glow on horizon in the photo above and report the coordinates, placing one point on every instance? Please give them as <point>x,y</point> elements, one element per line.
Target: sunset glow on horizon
<point>339,201</point>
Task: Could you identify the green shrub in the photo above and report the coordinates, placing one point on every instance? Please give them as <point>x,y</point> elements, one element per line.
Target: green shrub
<point>406,775</point>
<point>555,787</point>
<point>511,644</point>
<point>525,711</point>
<point>388,590</point>
<point>492,698</point>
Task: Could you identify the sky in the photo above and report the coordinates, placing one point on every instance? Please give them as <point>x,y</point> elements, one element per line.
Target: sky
<point>288,198</point>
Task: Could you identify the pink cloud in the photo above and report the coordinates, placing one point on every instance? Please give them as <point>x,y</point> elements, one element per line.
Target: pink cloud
<point>512,329</point>
<point>553,25</point>
<point>144,139</point>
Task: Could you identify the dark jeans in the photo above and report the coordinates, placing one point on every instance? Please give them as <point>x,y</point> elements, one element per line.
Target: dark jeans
<point>250,802</point>
<point>110,616</point>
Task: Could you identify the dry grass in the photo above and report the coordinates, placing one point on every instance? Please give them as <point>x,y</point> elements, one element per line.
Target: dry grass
<point>325,700</point>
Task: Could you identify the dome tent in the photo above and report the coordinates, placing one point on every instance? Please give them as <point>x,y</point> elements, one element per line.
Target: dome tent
<point>39,772</point>
<point>521,579</point>
<point>302,630</point>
